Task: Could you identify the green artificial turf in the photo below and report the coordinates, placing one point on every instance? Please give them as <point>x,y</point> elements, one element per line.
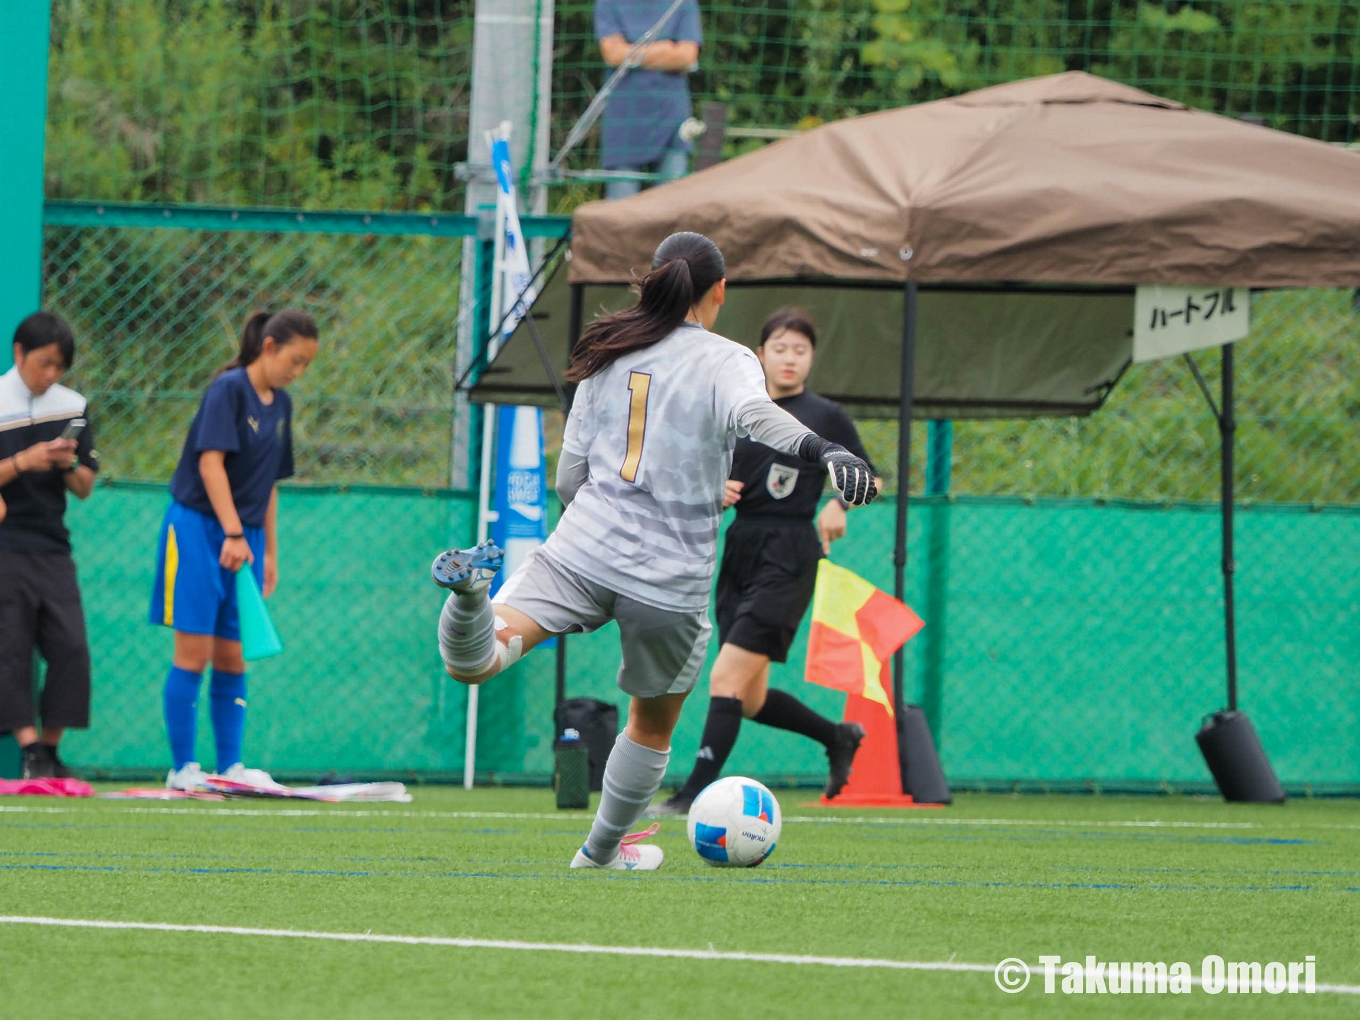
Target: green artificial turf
<point>989,878</point>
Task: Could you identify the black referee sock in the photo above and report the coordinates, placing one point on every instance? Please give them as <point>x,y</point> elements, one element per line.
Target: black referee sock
<point>720,736</point>
<point>783,711</point>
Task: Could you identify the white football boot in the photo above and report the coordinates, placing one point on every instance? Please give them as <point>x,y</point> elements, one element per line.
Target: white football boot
<point>632,856</point>
<point>258,778</point>
<point>191,777</point>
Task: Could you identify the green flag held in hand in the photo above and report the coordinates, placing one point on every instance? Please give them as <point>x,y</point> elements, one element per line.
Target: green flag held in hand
<point>259,639</point>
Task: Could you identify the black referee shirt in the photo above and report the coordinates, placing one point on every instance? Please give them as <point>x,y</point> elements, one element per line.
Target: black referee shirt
<point>781,484</point>
<point>36,500</point>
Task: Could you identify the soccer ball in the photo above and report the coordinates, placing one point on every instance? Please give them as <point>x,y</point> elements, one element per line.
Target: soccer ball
<point>734,823</point>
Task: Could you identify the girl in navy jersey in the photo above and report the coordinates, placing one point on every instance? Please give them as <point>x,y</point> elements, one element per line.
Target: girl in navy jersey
<point>222,519</point>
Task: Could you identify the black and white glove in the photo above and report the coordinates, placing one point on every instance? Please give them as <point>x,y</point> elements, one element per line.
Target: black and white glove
<point>850,476</point>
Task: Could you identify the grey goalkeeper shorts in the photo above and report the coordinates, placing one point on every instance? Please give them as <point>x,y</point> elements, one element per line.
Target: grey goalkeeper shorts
<point>663,651</point>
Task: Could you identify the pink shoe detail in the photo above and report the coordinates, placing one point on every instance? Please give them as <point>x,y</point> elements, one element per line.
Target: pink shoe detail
<point>632,855</point>
<point>634,837</point>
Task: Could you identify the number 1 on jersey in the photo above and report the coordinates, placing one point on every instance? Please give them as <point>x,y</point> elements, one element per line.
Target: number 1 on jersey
<point>639,384</point>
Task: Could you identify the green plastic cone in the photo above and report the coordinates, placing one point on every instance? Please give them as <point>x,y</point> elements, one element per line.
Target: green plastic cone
<point>259,639</point>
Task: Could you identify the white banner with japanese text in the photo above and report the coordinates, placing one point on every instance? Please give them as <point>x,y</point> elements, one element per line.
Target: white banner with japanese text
<point>1173,320</point>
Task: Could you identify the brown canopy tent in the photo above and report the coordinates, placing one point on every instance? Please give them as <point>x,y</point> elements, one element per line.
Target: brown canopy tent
<point>975,256</point>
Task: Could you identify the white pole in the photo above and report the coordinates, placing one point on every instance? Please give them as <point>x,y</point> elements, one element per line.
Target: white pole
<point>484,518</point>
<point>485,495</point>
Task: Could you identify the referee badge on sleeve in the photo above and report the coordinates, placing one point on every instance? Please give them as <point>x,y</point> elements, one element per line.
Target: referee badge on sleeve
<point>781,480</point>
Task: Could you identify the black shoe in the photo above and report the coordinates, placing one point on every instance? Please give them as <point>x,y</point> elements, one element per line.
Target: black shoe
<point>842,755</point>
<point>59,769</point>
<point>676,807</point>
<point>37,763</point>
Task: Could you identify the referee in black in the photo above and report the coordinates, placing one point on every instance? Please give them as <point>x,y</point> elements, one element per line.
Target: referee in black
<point>46,451</point>
<point>769,569</point>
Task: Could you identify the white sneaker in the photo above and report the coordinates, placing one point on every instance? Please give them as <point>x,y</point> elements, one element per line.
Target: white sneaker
<point>190,777</point>
<point>632,856</point>
<point>258,778</point>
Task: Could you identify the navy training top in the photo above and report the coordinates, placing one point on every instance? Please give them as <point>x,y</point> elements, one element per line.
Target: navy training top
<point>256,437</point>
<point>780,484</point>
<point>646,110</point>
<point>37,499</point>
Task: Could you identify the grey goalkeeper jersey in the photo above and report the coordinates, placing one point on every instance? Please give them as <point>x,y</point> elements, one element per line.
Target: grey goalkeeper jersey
<point>657,428</point>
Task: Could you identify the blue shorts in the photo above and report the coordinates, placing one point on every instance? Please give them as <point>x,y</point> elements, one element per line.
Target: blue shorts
<point>194,593</point>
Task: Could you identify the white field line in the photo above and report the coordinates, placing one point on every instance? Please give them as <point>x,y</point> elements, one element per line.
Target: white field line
<point>470,943</point>
<point>557,947</point>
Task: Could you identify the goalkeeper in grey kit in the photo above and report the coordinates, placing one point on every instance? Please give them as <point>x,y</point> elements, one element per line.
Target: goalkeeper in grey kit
<point>769,570</point>
<point>645,459</point>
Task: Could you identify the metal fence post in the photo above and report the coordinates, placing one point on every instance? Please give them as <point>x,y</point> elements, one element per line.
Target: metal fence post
<point>939,464</point>
<point>23,83</point>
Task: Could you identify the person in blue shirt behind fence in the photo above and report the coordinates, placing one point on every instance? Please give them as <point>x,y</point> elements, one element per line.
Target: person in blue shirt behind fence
<point>641,130</point>
<point>222,519</point>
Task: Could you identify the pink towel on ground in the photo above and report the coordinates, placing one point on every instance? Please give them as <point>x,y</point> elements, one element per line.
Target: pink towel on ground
<point>46,787</point>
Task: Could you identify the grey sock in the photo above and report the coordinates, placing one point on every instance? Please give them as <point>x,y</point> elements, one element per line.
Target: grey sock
<point>467,632</point>
<point>632,776</point>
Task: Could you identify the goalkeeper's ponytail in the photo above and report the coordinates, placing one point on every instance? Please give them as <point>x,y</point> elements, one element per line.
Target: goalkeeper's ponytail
<point>685,267</point>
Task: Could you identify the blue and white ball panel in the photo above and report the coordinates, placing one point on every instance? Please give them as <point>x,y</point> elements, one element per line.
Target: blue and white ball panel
<point>757,802</point>
<point>711,842</point>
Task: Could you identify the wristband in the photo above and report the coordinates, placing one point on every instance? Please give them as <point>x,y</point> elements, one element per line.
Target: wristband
<point>234,536</point>
<point>812,446</point>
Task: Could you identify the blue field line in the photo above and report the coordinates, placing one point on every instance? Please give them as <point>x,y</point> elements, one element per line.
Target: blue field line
<point>981,834</point>
<point>748,878</point>
<point>1044,836</point>
<point>779,865</point>
<point>1202,871</point>
<point>104,854</point>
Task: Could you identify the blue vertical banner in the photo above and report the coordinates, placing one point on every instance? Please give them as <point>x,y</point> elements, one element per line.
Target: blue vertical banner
<point>519,517</point>
<point>514,276</point>
<point>520,523</point>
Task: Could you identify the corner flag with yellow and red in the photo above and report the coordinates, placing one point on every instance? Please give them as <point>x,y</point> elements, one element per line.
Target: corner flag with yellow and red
<point>855,629</point>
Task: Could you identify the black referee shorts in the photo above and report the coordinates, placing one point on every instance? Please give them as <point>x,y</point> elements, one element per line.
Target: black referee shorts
<point>765,582</point>
<point>40,608</point>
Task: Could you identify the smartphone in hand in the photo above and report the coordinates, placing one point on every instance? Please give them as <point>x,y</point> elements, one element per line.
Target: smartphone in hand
<point>73,429</point>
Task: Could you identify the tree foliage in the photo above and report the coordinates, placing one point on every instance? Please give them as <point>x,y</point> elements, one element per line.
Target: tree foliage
<point>348,103</point>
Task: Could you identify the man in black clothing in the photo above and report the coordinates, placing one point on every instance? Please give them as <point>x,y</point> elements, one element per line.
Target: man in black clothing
<point>46,450</point>
<point>769,569</point>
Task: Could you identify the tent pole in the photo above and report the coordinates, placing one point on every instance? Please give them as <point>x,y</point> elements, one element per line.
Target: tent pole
<point>578,293</point>
<point>903,471</point>
<point>1227,426</point>
<point>1232,750</point>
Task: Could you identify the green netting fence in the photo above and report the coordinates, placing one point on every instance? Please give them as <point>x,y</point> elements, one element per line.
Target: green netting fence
<point>351,104</point>
<point>1298,411</point>
<point>159,311</point>
<point>788,66</point>
<point>1068,569</point>
<point>1069,643</point>
<point>363,104</point>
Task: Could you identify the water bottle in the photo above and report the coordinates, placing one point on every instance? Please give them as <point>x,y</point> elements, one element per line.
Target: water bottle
<point>571,770</point>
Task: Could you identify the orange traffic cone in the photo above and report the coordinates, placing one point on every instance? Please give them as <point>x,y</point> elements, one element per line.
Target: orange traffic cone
<point>876,777</point>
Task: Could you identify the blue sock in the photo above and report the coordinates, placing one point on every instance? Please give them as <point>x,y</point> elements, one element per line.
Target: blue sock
<point>227,693</point>
<point>181,713</point>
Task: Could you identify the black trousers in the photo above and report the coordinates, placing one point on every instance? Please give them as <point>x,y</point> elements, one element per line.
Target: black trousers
<point>40,609</point>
